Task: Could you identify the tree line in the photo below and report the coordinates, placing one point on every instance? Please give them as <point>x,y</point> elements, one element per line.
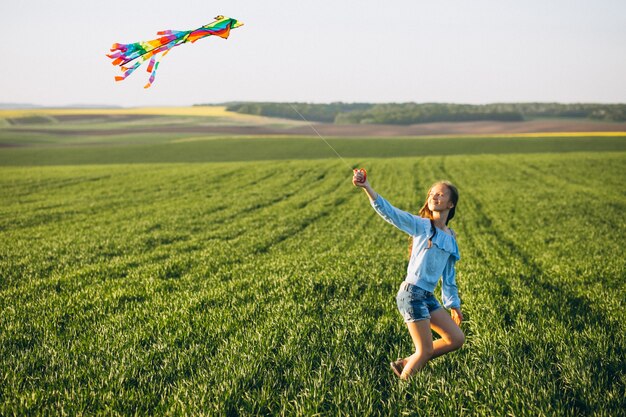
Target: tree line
<point>412,113</point>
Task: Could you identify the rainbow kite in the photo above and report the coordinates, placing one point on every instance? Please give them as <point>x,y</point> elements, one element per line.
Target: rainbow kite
<point>123,54</point>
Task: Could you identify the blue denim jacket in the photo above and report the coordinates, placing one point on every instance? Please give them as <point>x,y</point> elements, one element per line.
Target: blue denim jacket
<point>426,265</point>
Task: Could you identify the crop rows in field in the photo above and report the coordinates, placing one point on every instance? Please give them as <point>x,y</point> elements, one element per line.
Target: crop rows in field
<point>269,287</point>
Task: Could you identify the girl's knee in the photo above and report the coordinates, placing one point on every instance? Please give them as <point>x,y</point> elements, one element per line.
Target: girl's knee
<point>458,340</point>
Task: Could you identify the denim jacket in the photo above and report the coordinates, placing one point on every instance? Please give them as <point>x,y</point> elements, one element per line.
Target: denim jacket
<point>426,265</point>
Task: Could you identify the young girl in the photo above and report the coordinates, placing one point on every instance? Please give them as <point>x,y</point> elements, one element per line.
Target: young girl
<point>434,252</point>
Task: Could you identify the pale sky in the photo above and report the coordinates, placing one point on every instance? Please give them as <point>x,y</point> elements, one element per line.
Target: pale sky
<point>461,51</point>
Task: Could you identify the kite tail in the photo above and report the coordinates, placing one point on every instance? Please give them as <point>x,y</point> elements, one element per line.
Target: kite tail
<point>128,71</point>
<point>152,76</point>
<point>117,58</point>
<point>121,54</point>
<point>153,65</point>
<point>152,69</point>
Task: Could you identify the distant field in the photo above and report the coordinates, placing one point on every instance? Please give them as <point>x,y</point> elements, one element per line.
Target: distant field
<point>215,120</point>
<point>209,134</point>
<point>258,287</point>
<point>125,121</point>
<point>204,111</point>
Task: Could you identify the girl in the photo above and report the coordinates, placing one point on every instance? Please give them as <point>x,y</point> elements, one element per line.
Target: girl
<point>434,252</point>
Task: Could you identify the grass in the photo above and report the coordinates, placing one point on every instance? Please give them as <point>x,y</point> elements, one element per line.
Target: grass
<point>267,287</point>
<point>183,274</point>
<point>167,148</point>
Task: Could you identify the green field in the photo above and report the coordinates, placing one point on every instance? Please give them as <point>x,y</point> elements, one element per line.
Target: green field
<point>185,275</point>
<point>162,149</point>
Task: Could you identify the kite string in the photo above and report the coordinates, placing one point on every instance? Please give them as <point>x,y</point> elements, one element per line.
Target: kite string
<point>321,137</point>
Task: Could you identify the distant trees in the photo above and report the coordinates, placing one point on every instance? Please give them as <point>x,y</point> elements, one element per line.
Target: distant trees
<point>606,112</point>
<point>313,112</point>
<point>412,113</point>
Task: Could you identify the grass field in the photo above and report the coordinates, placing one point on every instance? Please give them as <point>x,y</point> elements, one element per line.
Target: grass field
<point>265,283</point>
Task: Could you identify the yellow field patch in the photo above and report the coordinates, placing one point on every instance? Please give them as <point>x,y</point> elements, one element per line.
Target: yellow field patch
<point>557,134</point>
<point>538,135</point>
<point>525,135</point>
<point>205,111</point>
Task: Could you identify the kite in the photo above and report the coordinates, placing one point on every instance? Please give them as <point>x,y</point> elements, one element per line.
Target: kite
<point>123,54</point>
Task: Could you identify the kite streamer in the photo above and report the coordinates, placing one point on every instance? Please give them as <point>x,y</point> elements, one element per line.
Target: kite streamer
<point>124,54</point>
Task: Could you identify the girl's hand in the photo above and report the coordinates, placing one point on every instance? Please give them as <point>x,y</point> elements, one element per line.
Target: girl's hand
<point>359,179</point>
<point>457,316</point>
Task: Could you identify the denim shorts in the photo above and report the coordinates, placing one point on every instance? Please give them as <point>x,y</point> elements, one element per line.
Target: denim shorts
<point>415,303</point>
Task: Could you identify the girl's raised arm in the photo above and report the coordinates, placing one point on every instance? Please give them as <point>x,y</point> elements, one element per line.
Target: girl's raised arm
<point>403,220</point>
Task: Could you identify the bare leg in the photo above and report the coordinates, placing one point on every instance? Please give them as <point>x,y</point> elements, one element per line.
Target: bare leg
<point>452,336</point>
<point>423,341</point>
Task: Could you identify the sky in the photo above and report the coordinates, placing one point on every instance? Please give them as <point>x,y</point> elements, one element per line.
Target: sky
<point>319,51</point>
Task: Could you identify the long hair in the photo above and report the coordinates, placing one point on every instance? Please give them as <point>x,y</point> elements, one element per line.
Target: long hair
<point>427,214</point>
<point>454,197</point>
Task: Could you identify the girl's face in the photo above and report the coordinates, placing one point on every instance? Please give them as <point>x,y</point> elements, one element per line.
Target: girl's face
<point>439,198</point>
